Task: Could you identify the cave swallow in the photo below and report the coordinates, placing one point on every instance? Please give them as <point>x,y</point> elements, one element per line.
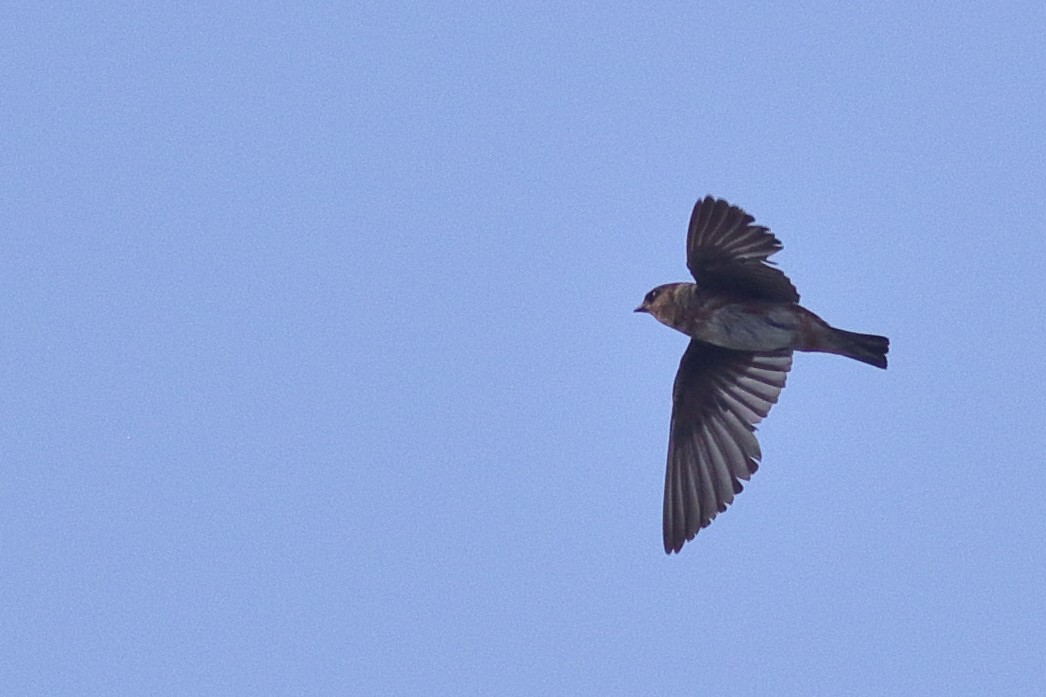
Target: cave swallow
<point>744,321</point>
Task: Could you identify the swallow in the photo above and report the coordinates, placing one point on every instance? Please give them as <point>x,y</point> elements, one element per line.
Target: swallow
<point>744,321</point>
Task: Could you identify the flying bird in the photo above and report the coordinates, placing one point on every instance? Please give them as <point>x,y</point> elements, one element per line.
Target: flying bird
<point>744,321</point>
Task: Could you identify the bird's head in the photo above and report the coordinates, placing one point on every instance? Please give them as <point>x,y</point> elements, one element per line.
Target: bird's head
<point>662,302</point>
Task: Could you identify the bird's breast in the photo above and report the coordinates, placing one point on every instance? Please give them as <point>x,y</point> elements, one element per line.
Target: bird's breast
<point>739,324</point>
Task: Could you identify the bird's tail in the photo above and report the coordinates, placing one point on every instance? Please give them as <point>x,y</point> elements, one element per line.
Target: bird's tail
<point>867,348</point>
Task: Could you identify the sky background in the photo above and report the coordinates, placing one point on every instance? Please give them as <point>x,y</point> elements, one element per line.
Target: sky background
<point>320,374</point>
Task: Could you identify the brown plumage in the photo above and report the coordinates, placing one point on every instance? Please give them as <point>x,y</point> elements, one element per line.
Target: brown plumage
<point>744,321</point>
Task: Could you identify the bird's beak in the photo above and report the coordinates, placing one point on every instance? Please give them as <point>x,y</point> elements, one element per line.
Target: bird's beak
<point>641,308</point>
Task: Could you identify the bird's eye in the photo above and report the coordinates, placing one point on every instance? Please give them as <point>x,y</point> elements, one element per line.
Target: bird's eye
<point>652,295</point>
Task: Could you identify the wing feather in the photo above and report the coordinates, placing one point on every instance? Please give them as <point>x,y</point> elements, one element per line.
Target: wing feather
<point>726,252</point>
<point>718,398</point>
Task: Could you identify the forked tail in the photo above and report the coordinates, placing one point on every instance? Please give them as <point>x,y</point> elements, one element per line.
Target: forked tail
<point>867,348</point>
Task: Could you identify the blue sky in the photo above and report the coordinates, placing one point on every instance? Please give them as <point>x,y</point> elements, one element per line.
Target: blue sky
<point>321,376</point>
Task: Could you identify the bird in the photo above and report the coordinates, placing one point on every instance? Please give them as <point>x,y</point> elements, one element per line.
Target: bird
<point>744,321</point>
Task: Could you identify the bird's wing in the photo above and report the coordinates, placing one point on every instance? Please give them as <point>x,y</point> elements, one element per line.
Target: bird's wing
<point>718,397</point>
<point>725,252</point>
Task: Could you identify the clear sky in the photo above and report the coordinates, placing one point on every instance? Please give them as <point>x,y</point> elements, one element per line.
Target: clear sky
<point>320,374</point>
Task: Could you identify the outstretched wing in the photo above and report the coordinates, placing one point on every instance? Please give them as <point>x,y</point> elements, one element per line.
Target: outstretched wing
<point>726,253</point>
<point>718,397</point>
